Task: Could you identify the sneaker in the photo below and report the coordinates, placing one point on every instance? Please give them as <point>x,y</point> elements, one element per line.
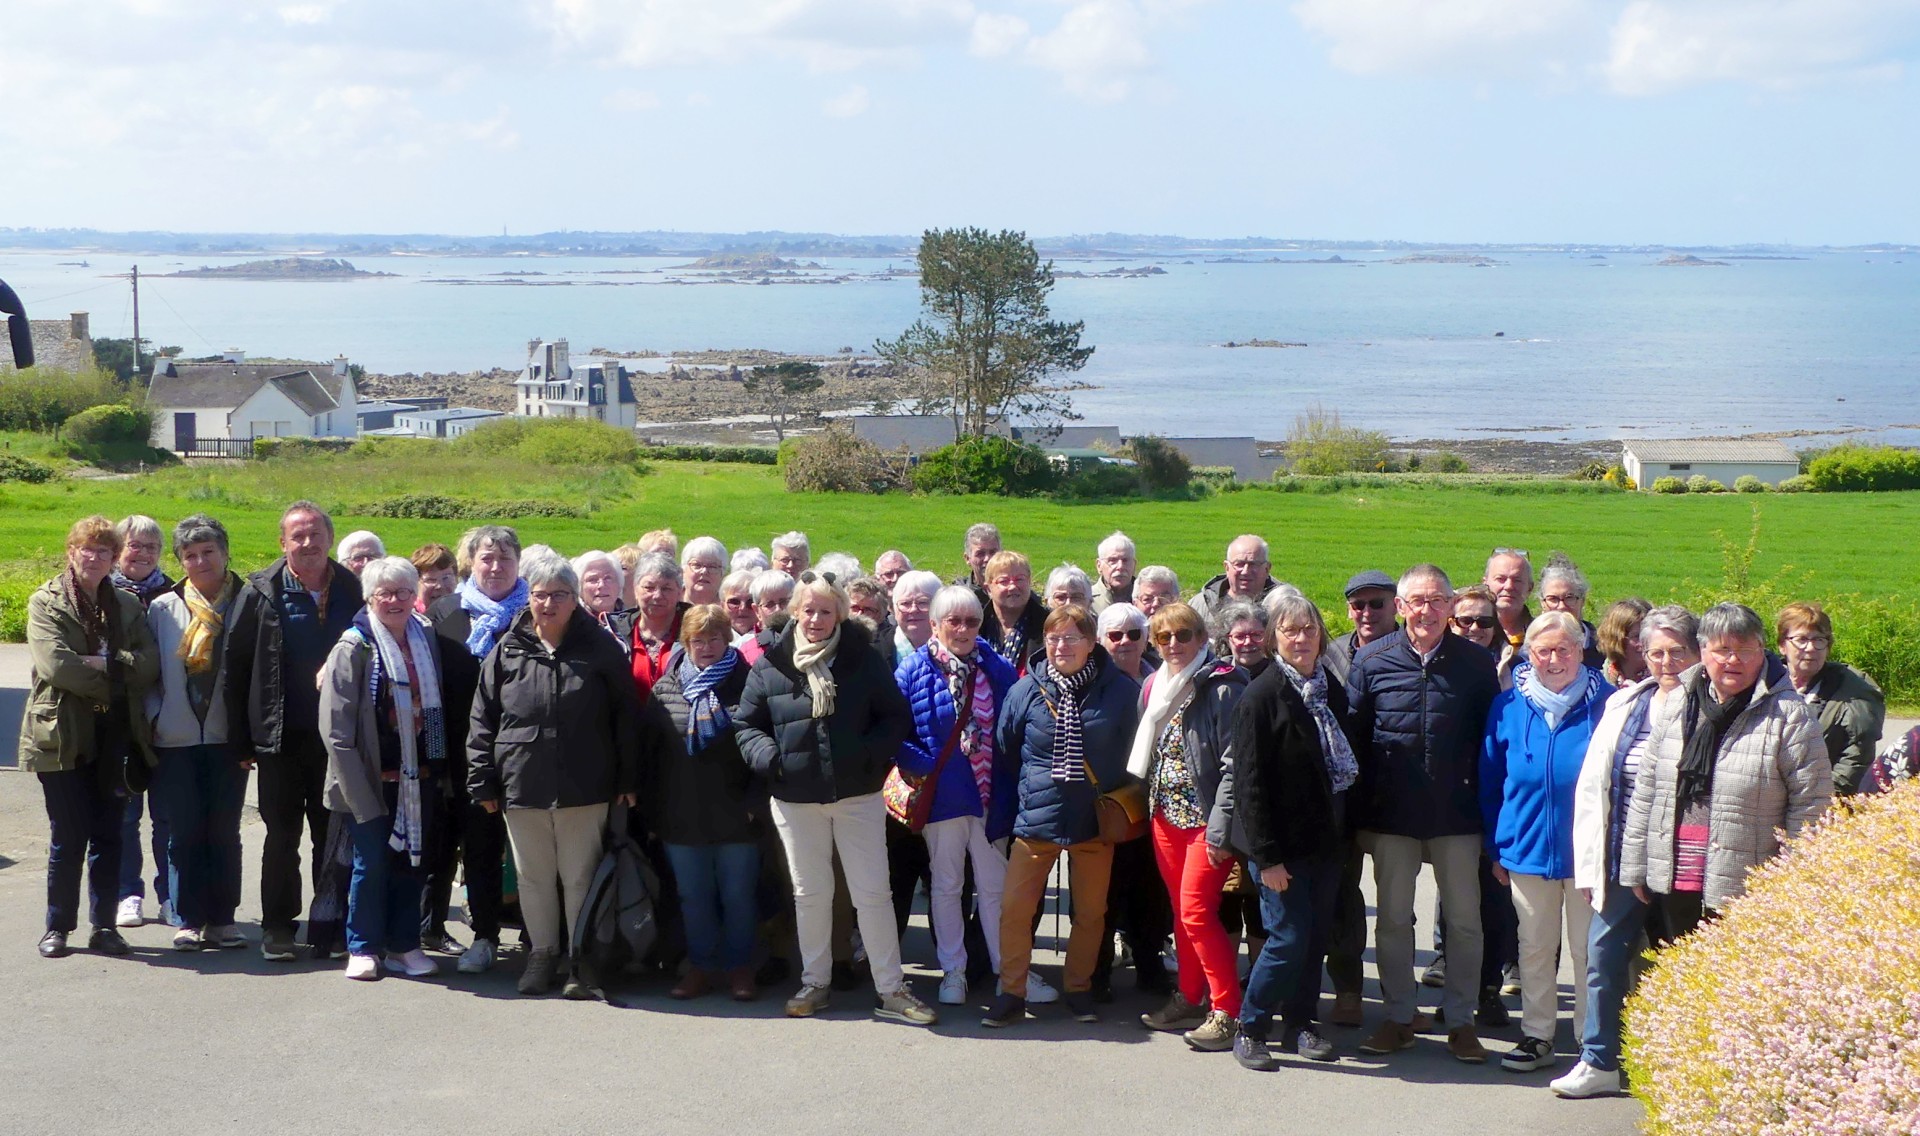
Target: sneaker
<point>809,1001</point>
<point>276,946</point>
<point>108,941</point>
<point>363,968</point>
<point>1253,1053</point>
<point>1391,1037</point>
<point>1436,972</point>
<point>188,939</point>
<point>1079,1003</point>
<point>478,958</point>
<point>1348,1011</point>
<point>1177,1015</point>
<point>1464,1044</point>
<point>1040,992</point>
<point>902,1006</point>
<point>1532,1053</point>
<point>1308,1043</point>
<point>1007,1010</point>
<point>1492,1013</point>
<point>1587,1081</point>
<point>1213,1035</point>
<point>167,914</point>
<point>1510,982</point>
<point>226,936</point>
<point>953,988</point>
<point>131,913</point>
<point>413,964</point>
<point>537,978</point>
<point>575,989</point>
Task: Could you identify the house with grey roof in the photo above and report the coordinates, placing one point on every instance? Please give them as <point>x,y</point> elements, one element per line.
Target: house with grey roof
<point>1719,459</point>
<point>63,344</point>
<point>449,423</point>
<point>551,386</point>
<point>234,400</point>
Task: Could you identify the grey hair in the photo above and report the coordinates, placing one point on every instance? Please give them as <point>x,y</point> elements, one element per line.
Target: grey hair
<point>1294,607</point>
<point>701,549</point>
<point>842,566</point>
<point>770,581</point>
<point>980,533</point>
<point>1279,592</point>
<point>359,538</point>
<point>1157,574</point>
<point>739,581</point>
<point>926,583</point>
<point>754,558</point>
<point>954,598</point>
<point>305,506</point>
<point>1422,572</point>
<point>1265,552</point>
<point>658,564</point>
<point>198,529</point>
<point>869,587</point>
<point>549,567</point>
<point>139,524</point>
<point>1116,541</point>
<point>1560,621</point>
<point>389,571</point>
<point>1238,611</point>
<point>534,550</point>
<point>1119,617</point>
<point>1072,576</point>
<point>795,541</point>
<point>1731,621</point>
<point>1676,621</point>
<point>499,536</point>
<point>587,560</point>
<point>904,559</point>
<point>1559,567</point>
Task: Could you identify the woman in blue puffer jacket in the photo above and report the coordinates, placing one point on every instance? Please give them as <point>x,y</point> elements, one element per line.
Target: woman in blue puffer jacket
<point>1537,737</point>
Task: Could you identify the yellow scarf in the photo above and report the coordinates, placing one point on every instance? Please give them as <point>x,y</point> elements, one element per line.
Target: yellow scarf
<point>196,645</point>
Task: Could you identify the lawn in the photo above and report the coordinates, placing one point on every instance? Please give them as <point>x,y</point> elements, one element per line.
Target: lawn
<point>1850,549</point>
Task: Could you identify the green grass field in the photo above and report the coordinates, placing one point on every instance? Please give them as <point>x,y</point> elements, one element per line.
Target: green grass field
<point>1851,550</point>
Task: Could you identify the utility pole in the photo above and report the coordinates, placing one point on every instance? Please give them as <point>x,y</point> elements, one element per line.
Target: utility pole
<point>136,322</point>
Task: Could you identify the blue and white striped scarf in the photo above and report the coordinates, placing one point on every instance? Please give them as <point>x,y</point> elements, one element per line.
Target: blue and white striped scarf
<point>707,716</point>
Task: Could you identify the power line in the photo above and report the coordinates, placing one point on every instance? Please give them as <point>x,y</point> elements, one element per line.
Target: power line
<point>205,342</point>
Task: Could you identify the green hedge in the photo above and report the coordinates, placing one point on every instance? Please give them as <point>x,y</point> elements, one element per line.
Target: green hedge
<point>434,507</point>
<point>1850,468</point>
<point>24,469</point>
<point>744,455</point>
<point>115,422</point>
<point>267,449</point>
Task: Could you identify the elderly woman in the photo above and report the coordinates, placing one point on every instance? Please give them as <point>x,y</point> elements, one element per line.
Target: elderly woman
<point>603,585</point>
<point>771,591</point>
<point>868,600</point>
<point>651,630</point>
<point>1670,645</point>
<point>707,807</point>
<point>750,560</point>
<point>1154,588</point>
<point>1733,757</point>
<point>913,596</point>
<point>137,571</point>
<point>84,733</point>
<point>1066,727</point>
<point>1123,632</point>
<point>1563,587</point>
<point>703,563</point>
<point>385,729</point>
<point>1293,763</point>
<point>554,739</point>
<point>1182,749</point>
<point>1537,737</point>
<point>1243,636</point>
<point>435,562</point>
<point>199,781</point>
<point>792,553</point>
<point>1138,909</point>
<point>842,566</point>
<point>663,541</point>
<point>736,596</point>
<point>1068,584</point>
<point>358,549</point>
<point>1013,613</point>
<point>1851,709</point>
<point>821,720</point>
<point>1618,638</point>
<point>955,686</point>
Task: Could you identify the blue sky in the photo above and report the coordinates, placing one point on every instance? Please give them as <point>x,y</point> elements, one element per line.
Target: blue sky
<point>1676,121</point>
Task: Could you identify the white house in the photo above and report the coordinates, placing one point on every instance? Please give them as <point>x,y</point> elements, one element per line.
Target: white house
<point>550,386</point>
<point>235,400</point>
<point>449,423</point>
<point>1768,459</point>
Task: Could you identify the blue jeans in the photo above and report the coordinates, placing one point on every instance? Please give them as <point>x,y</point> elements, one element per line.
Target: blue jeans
<point>200,790</point>
<point>383,900</point>
<point>1616,928</point>
<point>1299,921</point>
<point>84,817</point>
<point>717,884</point>
<point>132,861</point>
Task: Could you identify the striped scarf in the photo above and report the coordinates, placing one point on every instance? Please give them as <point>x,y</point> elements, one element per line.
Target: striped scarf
<point>143,590</point>
<point>389,667</point>
<point>1069,754</point>
<point>707,716</point>
<point>972,695</point>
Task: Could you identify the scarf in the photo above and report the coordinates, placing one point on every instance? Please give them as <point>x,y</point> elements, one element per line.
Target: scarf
<point>92,612</point>
<point>491,618</point>
<point>143,590</point>
<point>209,616</point>
<point>389,666</point>
<point>1554,706</point>
<point>1703,729</point>
<point>813,659</point>
<point>972,695</point>
<point>707,717</point>
<point>291,583</point>
<point>1167,694</point>
<point>1069,758</point>
<point>1013,640</point>
<point>902,646</point>
<point>1343,769</point>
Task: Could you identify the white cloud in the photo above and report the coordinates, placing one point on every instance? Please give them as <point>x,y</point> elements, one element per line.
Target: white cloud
<point>1097,49</point>
<point>824,35</point>
<point>629,99</point>
<point>997,34</point>
<point>850,103</point>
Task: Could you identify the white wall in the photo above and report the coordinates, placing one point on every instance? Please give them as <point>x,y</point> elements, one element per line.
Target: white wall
<point>1726,473</point>
<point>208,422</point>
<point>270,414</point>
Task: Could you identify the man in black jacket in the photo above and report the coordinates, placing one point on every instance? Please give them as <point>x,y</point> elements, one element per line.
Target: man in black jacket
<point>284,624</point>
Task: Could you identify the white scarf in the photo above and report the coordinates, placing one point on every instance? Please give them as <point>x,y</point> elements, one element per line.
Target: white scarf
<point>409,828</point>
<point>1167,693</point>
<point>814,659</point>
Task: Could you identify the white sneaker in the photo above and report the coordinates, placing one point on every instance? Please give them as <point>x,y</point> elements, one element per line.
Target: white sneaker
<point>478,958</point>
<point>1587,1081</point>
<point>953,988</point>
<point>413,964</point>
<point>166,913</point>
<point>130,914</point>
<point>363,968</point>
<point>1040,992</point>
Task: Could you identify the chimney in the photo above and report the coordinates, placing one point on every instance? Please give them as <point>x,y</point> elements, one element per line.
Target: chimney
<point>562,369</point>
<point>339,366</point>
<point>533,348</point>
<point>77,326</point>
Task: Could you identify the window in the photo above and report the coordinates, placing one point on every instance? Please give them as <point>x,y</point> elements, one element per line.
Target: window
<point>1679,467</point>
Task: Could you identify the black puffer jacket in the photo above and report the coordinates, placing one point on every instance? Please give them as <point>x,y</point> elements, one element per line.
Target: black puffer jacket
<point>709,796</point>
<point>559,730</point>
<point>1418,728</point>
<point>808,760</point>
<point>1282,796</point>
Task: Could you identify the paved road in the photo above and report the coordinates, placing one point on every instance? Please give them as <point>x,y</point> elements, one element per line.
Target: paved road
<point>165,1042</point>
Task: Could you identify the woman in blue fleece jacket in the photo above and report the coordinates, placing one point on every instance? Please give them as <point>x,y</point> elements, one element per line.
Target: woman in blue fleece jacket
<point>1537,736</point>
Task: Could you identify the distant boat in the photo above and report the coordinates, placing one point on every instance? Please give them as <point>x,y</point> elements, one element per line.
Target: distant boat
<point>74,264</point>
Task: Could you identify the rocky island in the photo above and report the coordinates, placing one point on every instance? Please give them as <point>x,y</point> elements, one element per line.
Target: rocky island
<point>1688,260</point>
<point>283,268</point>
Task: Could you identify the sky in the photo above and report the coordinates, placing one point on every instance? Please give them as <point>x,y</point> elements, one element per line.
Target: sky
<point>1619,121</point>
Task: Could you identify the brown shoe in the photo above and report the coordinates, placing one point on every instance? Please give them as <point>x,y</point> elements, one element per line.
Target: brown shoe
<point>1346,1011</point>
<point>742,984</point>
<point>692,985</point>
<point>1422,1022</point>
<point>1391,1037</point>
<point>1465,1045</point>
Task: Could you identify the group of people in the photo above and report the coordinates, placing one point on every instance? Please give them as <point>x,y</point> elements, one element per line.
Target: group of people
<point>1213,769</point>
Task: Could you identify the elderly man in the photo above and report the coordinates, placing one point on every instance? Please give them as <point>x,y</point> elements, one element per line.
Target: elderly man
<point>1114,560</point>
<point>982,543</point>
<point>890,566</point>
<point>282,627</point>
<point>1419,701</point>
<point>792,554</point>
<point>1510,579</point>
<point>1247,577</point>
<point>1370,606</point>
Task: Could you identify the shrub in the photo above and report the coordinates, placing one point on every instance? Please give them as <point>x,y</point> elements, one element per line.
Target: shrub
<point>835,461</point>
<point>43,398</point>
<point>1157,464</point>
<point>1748,483</point>
<point>986,465</point>
<point>785,450</point>
<point>1617,477</point>
<point>434,507</point>
<point>1855,467</point>
<point>1798,483</point>
<point>268,449</point>
<point>1799,1010</point>
<point>24,469</point>
<point>112,422</point>
<point>1446,461</point>
<point>1592,471</point>
<point>1321,444</point>
<point>746,455</point>
<point>551,441</point>
<point>1097,480</point>
<point>1217,478</point>
<point>1669,485</point>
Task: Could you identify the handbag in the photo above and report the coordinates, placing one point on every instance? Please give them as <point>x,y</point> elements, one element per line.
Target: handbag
<point>910,799</point>
<point>1122,810</point>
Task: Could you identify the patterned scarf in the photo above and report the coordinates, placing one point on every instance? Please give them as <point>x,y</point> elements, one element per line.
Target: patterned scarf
<point>197,643</point>
<point>491,618</point>
<point>814,659</point>
<point>143,590</point>
<point>1342,768</point>
<point>92,612</point>
<point>707,716</point>
<point>291,583</point>
<point>967,684</point>
<point>389,668</point>
<point>1069,757</point>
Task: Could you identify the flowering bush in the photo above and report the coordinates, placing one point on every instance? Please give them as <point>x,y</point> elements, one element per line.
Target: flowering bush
<point>1799,1011</point>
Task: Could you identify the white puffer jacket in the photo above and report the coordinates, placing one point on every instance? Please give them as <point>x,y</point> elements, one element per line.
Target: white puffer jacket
<point>1593,793</point>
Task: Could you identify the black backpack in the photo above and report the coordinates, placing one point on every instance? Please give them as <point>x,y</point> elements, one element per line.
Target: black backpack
<point>619,919</point>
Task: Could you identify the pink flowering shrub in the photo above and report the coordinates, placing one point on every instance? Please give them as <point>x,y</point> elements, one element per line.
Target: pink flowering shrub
<point>1798,1013</point>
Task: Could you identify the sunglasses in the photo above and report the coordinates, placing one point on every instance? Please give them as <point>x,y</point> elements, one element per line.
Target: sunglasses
<point>1128,635</point>
<point>1177,635</point>
<point>967,621</point>
<point>1483,622</point>
<point>1374,604</point>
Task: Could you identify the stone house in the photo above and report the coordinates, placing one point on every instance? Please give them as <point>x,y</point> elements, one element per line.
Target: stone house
<point>61,345</point>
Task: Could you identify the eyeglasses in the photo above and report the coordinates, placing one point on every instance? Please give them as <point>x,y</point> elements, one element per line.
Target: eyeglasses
<point>1427,601</point>
<point>1809,642</point>
<point>740,601</point>
<point>1181,635</point>
<point>1565,599</point>
<point>550,597</point>
<point>1124,635</point>
<point>1483,622</point>
<point>1065,640</point>
<point>389,595</point>
<point>1374,604</point>
<point>961,621</point>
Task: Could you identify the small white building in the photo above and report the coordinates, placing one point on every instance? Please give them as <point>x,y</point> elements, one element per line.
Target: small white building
<point>449,423</point>
<point>233,400</point>
<point>1768,459</point>
<point>550,386</point>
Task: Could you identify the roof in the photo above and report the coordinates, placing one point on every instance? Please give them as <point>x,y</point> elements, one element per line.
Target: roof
<point>305,392</point>
<point>54,345</point>
<point>1667,450</point>
<point>385,407</point>
<point>1069,437</point>
<point>450,414</point>
<point>314,388</point>
<point>919,433</point>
